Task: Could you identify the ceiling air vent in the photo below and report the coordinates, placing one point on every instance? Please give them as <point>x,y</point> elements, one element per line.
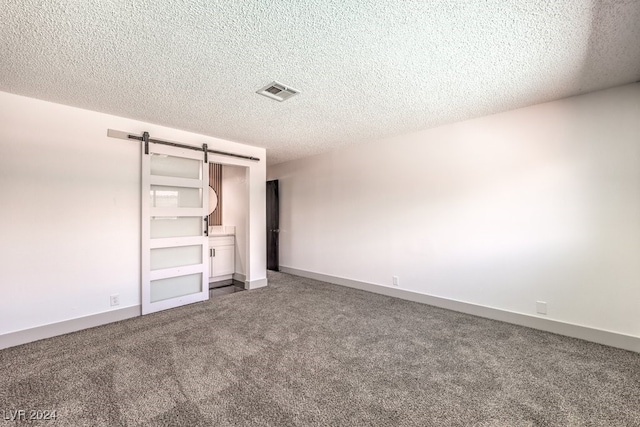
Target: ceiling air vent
<point>278,91</point>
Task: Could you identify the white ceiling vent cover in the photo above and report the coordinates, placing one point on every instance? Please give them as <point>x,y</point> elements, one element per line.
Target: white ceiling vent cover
<point>278,91</point>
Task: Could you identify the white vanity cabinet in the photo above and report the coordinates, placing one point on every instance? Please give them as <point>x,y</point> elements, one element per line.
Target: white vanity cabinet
<point>222,261</point>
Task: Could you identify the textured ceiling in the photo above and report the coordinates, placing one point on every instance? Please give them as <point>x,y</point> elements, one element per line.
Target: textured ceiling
<point>366,69</point>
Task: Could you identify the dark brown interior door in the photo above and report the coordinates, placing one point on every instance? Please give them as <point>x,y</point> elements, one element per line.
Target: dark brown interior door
<point>273,225</point>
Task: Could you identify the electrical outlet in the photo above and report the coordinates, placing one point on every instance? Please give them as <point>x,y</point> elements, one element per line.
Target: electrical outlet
<point>541,307</point>
<point>396,281</point>
<point>115,299</point>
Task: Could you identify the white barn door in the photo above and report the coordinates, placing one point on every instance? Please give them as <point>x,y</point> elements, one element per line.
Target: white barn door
<point>174,258</point>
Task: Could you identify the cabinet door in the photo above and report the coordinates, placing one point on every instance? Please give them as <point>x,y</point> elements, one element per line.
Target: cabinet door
<point>222,261</point>
<point>212,264</point>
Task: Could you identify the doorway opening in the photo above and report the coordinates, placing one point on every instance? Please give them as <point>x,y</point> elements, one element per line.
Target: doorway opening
<point>228,236</point>
<point>273,226</point>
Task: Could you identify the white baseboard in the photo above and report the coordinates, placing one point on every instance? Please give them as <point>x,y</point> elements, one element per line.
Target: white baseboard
<point>613,339</point>
<point>239,277</point>
<point>60,328</point>
<point>255,284</point>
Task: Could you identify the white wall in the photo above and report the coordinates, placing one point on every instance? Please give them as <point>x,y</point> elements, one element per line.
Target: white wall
<point>235,208</point>
<point>541,203</point>
<point>70,233</point>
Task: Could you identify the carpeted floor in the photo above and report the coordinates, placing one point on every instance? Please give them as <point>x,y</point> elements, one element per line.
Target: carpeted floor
<point>306,353</point>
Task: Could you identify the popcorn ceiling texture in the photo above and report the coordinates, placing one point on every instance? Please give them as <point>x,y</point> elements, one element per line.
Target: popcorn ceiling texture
<point>366,69</point>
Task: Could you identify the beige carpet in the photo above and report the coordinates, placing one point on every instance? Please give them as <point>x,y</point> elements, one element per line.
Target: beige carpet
<point>307,353</point>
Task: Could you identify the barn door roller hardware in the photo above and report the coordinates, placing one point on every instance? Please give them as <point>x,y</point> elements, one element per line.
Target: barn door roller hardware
<point>146,140</point>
